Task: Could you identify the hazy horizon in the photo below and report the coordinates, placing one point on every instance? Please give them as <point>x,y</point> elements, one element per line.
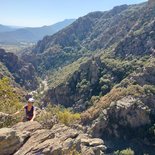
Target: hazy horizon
<point>16,26</point>
<point>38,13</point>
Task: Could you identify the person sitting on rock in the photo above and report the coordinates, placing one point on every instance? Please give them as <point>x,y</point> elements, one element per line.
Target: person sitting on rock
<point>29,111</point>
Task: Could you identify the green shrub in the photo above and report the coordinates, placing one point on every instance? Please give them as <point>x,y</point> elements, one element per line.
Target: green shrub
<point>104,88</point>
<point>104,81</point>
<point>57,114</point>
<point>128,151</point>
<point>94,99</point>
<point>149,89</point>
<point>83,85</point>
<point>67,117</point>
<point>152,130</point>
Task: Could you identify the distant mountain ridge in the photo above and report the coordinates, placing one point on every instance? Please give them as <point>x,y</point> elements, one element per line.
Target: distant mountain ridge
<point>4,28</point>
<point>28,34</point>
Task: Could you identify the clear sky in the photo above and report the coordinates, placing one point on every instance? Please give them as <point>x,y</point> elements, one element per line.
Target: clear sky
<point>47,12</point>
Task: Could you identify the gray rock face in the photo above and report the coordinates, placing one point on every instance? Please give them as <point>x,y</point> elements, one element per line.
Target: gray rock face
<point>125,114</point>
<point>151,2</point>
<point>11,140</point>
<point>24,73</point>
<point>78,88</point>
<point>131,111</point>
<point>140,41</point>
<point>36,143</point>
<point>4,118</point>
<point>145,77</point>
<point>30,138</point>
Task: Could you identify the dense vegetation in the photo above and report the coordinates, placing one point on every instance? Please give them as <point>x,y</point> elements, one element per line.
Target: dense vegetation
<point>125,152</point>
<point>10,102</point>
<point>9,99</point>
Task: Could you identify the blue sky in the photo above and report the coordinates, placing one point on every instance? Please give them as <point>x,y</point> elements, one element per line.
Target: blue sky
<point>47,12</point>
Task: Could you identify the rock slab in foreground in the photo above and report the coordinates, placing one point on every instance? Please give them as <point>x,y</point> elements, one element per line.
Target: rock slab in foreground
<point>30,138</point>
<point>11,140</point>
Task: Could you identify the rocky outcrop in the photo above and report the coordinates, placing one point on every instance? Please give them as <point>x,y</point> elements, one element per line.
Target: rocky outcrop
<point>78,88</point>
<point>140,40</point>
<point>121,117</point>
<point>24,73</point>
<point>28,126</point>
<point>145,76</point>
<point>5,119</point>
<point>11,140</point>
<point>30,138</point>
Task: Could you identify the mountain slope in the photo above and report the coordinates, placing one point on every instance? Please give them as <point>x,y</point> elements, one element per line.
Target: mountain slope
<point>32,34</point>
<point>19,35</point>
<point>91,33</point>
<point>122,36</point>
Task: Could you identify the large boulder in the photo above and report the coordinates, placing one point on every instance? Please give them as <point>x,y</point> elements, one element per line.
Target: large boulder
<point>11,140</point>
<point>91,146</point>
<point>27,126</point>
<point>36,143</point>
<point>121,117</point>
<point>5,119</point>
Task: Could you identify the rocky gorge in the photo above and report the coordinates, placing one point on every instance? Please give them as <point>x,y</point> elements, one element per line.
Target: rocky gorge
<point>103,68</point>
